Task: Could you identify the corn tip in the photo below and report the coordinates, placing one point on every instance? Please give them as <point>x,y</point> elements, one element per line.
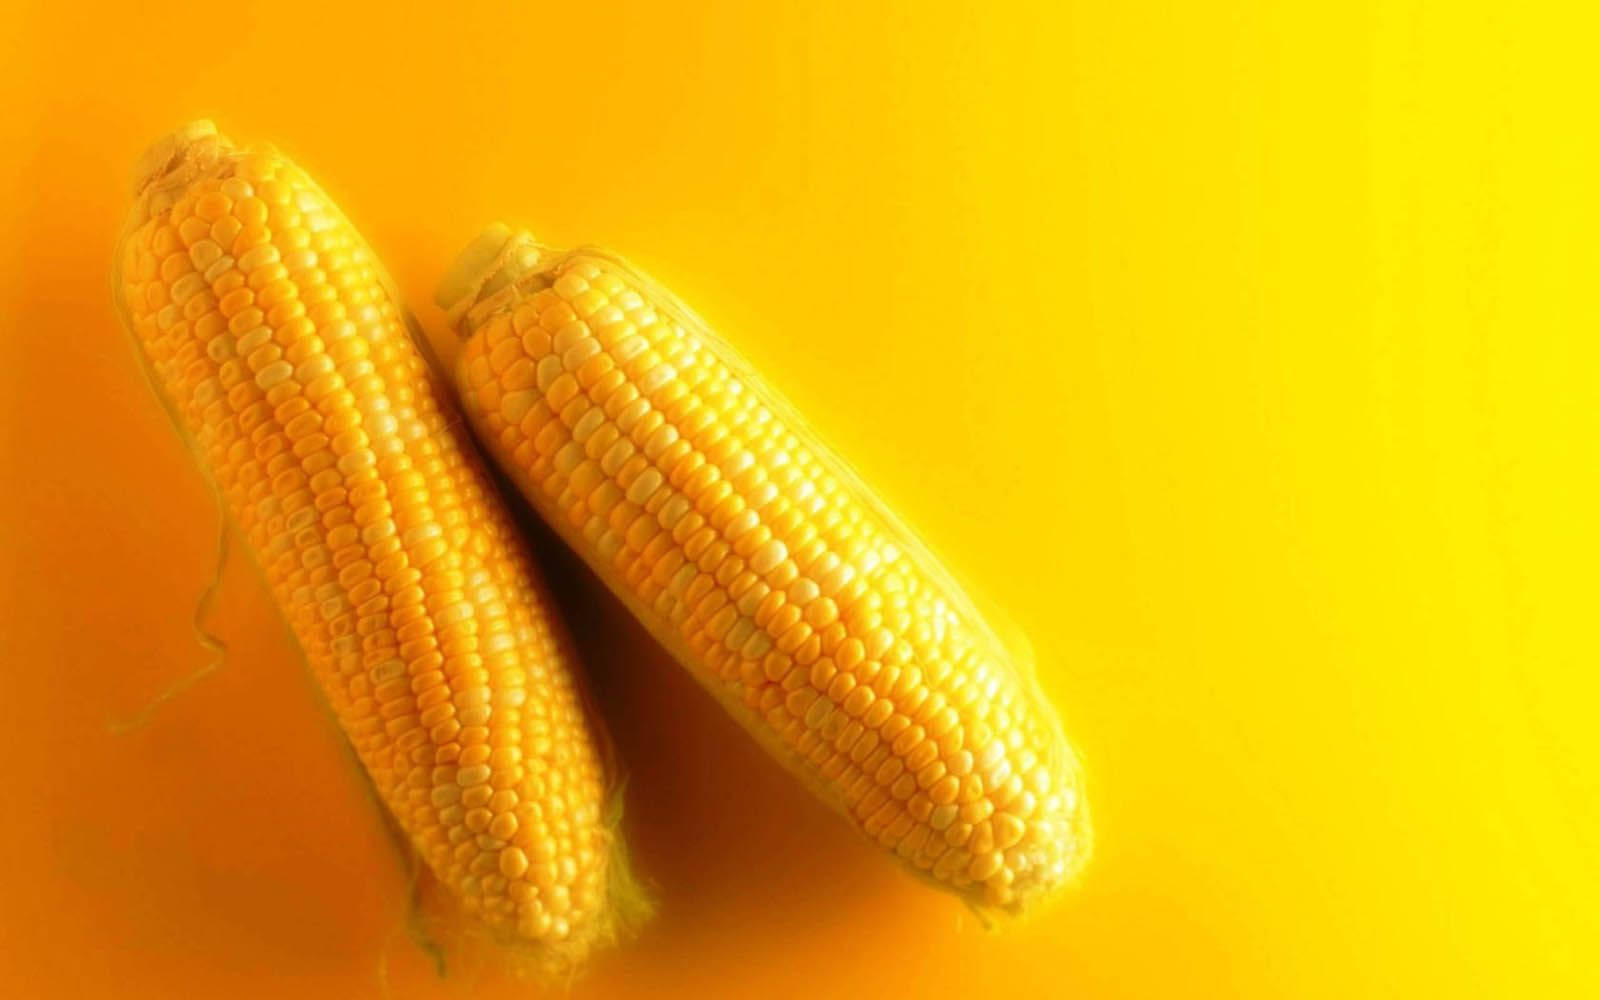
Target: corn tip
<point>170,150</point>
<point>472,265</point>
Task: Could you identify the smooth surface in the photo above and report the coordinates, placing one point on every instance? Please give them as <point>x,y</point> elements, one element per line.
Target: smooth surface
<point>1247,359</point>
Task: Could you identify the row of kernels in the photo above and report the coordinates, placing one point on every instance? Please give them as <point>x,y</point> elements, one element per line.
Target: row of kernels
<point>931,627</point>
<point>263,362</point>
<point>928,709</point>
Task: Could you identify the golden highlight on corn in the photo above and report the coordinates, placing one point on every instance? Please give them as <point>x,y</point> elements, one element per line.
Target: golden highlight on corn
<point>764,565</point>
<point>270,332</point>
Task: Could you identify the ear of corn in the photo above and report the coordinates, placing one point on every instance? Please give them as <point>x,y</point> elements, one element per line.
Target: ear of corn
<point>769,570</point>
<point>270,333</point>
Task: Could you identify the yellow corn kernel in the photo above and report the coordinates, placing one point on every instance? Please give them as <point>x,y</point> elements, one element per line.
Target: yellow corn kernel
<point>286,361</point>
<point>774,575</point>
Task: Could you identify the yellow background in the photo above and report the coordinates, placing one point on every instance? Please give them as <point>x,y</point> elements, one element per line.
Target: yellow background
<point>1247,358</point>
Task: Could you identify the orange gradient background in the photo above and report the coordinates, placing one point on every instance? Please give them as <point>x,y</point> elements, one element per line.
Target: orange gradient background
<point>1246,358</point>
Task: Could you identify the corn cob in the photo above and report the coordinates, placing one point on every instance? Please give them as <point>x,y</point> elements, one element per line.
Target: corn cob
<point>765,566</point>
<point>272,336</point>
